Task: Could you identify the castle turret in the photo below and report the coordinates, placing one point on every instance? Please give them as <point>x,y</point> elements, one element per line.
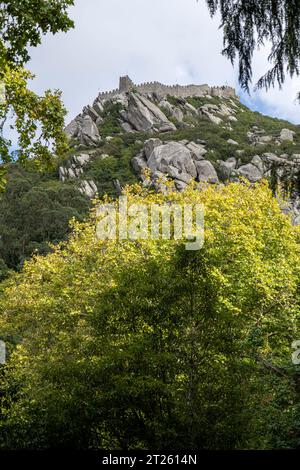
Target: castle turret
<point>126,84</point>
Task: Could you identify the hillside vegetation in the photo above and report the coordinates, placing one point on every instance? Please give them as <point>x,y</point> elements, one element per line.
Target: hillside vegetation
<point>142,344</point>
<point>37,207</point>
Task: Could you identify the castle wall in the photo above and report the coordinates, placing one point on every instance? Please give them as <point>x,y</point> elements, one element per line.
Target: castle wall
<point>164,90</point>
<point>108,94</point>
<point>175,90</point>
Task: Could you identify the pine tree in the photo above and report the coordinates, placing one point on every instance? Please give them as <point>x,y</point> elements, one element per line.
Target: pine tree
<point>250,24</point>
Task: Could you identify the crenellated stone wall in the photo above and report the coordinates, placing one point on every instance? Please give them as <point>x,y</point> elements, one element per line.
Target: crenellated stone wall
<point>126,84</point>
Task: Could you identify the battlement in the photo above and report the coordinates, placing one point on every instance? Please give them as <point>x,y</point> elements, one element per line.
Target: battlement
<point>182,91</point>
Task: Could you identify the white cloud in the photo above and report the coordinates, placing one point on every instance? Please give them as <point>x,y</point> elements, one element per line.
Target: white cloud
<point>166,40</point>
<point>172,41</point>
<point>275,102</point>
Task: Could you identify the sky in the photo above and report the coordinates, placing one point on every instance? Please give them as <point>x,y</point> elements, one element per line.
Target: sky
<point>171,41</point>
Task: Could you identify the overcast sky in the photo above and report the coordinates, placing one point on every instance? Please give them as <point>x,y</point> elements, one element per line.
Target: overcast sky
<point>171,41</point>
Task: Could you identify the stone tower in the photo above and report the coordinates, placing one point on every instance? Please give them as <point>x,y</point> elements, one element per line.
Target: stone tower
<point>126,84</point>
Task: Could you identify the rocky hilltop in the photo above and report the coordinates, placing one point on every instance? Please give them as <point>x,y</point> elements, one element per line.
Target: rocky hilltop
<point>182,133</point>
<point>151,133</point>
<point>141,108</point>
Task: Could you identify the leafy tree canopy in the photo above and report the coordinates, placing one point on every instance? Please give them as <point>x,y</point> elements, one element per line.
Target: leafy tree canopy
<point>250,24</point>
<point>38,120</point>
<point>22,25</point>
<point>35,209</point>
<point>142,344</point>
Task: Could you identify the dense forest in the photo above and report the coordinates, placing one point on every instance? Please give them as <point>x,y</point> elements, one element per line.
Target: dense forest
<point>142,344</point>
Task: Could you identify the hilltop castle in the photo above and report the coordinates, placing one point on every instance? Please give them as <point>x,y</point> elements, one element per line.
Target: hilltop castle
<point>126,85</point>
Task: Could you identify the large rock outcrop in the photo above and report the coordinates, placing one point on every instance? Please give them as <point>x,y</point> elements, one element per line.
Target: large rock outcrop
<point>173,159</point>
<point>286,135</point>
<point>185,161</point>
<point>150,111</point>
<point>206,172</point>
<point>143,115</point>
<point>84,129</point>
<point>180,161</point>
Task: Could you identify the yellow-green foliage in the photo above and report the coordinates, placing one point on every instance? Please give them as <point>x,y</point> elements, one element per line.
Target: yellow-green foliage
<point>141,343</point>
<point>37,120</point>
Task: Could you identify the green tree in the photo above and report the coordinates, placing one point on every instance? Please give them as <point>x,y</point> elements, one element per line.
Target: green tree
<point>22,25</point>
<point>142,344</point>
<point>35,210</point>
<point>38,121</point>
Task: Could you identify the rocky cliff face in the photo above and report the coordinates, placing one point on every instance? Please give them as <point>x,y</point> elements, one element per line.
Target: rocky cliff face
<point>155,137</point>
